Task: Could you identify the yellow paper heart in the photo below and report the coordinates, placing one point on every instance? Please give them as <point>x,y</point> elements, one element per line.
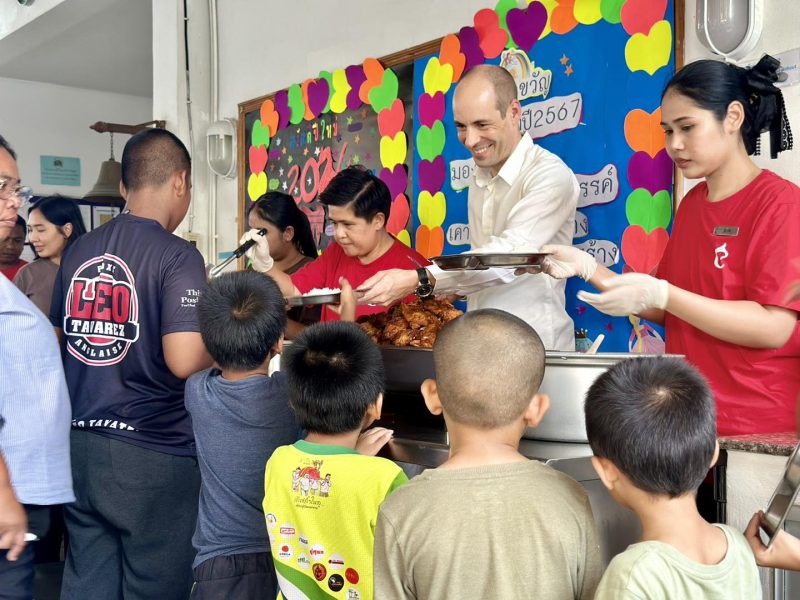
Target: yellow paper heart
<point>437,77</point>
<point>431,209</point>
<point>341,88</point>
<point>256,185</point>
<point>404,237</point>
<point>587,11</point>
<point>649,52</point>
<point>549,5</point>
<point>393,150</point>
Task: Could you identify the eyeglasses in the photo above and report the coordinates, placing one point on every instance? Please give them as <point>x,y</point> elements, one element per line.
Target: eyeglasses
<point>23,192</point>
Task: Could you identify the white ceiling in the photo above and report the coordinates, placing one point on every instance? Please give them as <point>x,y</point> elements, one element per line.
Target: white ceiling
<point>104,45</point>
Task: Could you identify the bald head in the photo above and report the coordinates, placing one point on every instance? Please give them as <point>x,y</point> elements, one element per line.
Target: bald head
<point>151,157</point>
<point>500,80</point>
<point>489,365</point>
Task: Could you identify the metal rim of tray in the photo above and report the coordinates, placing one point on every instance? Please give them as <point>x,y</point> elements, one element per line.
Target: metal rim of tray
<point>482,261</point>
<point>319,299</point>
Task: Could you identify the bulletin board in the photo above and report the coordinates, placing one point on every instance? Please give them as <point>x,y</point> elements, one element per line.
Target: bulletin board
<point>597,110</point>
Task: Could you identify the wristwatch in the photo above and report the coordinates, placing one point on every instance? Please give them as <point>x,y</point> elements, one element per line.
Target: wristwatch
<point>424,289</point>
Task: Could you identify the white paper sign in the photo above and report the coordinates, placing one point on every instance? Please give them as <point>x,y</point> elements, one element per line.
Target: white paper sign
<point>460,172</point>
<point>581,225</point>
<point>555,115</point>
<point>458,234</point>
<point>598,188</point>
<point>605,252</point>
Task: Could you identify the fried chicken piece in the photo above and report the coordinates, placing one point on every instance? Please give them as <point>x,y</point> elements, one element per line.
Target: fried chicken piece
<point>404,338</point>
<point>396,327</point>
<point>442,309</point>
<point>417,316</point>
<point>371,330</point>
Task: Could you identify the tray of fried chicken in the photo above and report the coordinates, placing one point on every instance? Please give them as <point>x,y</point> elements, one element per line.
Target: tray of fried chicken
<point>414,324</point>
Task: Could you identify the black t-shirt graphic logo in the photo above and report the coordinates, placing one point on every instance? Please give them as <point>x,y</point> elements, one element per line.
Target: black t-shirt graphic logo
<point>101,311</point>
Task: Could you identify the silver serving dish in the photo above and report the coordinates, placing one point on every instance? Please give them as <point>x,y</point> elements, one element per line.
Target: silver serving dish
<point>318,299</point>
<point>783,497</point>
<point>483,261</point>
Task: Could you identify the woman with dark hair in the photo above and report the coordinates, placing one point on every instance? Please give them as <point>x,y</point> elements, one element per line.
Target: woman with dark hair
<point>54,223</point>
<point>721,287</point>
<point>291,244</point>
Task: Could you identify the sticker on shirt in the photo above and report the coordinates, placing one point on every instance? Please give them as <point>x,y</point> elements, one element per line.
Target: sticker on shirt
<point>336,562</point>
<point>720,254</point>
<point>317,551</point>
<point>309,484</point>
<point>303,561</point>
<point>319,571</point>
<point>287,531</point>
<point>303,539</point>
<point>271,519</point>
<point>335,582</point>
<point>352,576</point>
<point>285,552</point>
<point>101,312</point>
<point>353,594</point>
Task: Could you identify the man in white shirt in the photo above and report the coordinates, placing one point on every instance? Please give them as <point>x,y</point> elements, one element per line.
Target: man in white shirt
<point>521,198</point>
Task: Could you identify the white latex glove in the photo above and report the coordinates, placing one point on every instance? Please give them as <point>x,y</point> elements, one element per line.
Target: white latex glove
<point>629,294</point>
<point>259,254</point>
<point>568,261</point>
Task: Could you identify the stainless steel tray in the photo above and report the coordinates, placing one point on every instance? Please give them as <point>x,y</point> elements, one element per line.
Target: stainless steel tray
<point>318,299</point>
<point>783,497</point>
<point>483,261</point>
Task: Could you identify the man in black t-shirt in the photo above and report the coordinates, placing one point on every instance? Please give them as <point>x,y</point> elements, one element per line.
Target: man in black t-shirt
<point>125,302</point>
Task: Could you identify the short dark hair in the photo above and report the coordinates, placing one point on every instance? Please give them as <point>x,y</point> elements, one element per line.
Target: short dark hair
<point>334,373</point>
<point>60,211</point>
<point>151,157</point>
<point>472,353</point>
<point>242,316</point>
<point>7,147</point>
<point>282,211</point>
<point>21,223</point>
<point>502,82</point>
<point>654,419</point>
<point>355,186</point>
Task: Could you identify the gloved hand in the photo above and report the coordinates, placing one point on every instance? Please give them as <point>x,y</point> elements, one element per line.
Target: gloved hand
<point>259,255</point>
<point>629,294</point>
<point>568,261</point>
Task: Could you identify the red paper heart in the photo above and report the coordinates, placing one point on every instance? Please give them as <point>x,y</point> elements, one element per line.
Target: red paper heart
<point>258,158</point>
<point>642,251</point>
<point>398,215</point>
<point>492,37</point>
<point>429,243</point>
<point>390,120</point>
<point>638,16</point>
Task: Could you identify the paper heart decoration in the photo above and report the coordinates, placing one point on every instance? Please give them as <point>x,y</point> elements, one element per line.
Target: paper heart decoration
<point>373,73</point>
<point>396,179</point>
<point>430,141</point>
<point>643,131</point>
<point>404,237</point>
<point>450,54</point>
<point>393,150</point>
<point>281,102</point>
<point>273,184</point>
<point>470,47</point>
<point>391,120</point>
<point>341,89</point>
<point>257,158</point>
<point>431,209</point>
<point>296,104</point>
<point>648,211</point>
<point>526,26</point>
<point>259,135</point>
<point>562,18</point>
<point>501,8</point>
<point>307,115</point>
<point>327,76</point>
<point>398,215</point>
<point>429,243</point>
<point>587,12</point>
<point>382,96</point>
<point>550,5</point>
<point>256,185</point>
<point>492,38</point>
<point>649,52</point>
<point>318,95</point>
<point>355,78</point>
<point>638,16</point>
<point>431,174</point>
<point>437,77</point>
<point>641,250</point>
<point>653,174</point>
<point>269,116</point>
<point>430,108</point>
<point>610,10</point>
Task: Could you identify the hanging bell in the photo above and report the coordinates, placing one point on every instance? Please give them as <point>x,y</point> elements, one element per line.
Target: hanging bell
<point>107,185</point>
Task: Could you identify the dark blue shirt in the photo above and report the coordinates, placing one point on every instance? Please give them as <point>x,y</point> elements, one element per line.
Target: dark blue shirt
<point>237,426</point>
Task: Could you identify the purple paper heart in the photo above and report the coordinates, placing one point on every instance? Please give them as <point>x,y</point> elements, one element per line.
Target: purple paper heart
<point>281,102</point>
<point>652,174</point>
<point>527,25</point>
<point>274,154</point>
<point>396,180</point>
<point>430,108</point>
<point>430,175</point>
<point>318,92</point>
<point>355,77</point>
<point>470,47</point>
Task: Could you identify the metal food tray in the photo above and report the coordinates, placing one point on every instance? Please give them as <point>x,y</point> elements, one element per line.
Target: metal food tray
<point>483,261</point>
<point>318,299</point>
<point>783,497</point>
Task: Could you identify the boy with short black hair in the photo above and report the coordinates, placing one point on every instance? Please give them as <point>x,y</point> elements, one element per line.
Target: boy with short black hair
<point>240,414</point>
<point>651,425</point>
<point>488,523</point>
<point>322,496</point>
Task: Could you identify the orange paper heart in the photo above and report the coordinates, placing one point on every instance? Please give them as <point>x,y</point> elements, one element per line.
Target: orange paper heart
<point>430,242</point>
<point>308,116</point>
<point>643,131</point>
<point>373,69</point>
<point>562,19</point>
<point>269,116</point>
<point>450,54</point>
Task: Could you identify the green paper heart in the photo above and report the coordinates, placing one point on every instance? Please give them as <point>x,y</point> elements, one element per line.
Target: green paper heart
<point>296,104</point>
<point>273,184</point>
<point>650,212</point>
<point>327,76</point>
<point>382,96</point>
<point>259,136</point>
<point>430,141</point>
<point>502,8</point>
<point>610,9</point>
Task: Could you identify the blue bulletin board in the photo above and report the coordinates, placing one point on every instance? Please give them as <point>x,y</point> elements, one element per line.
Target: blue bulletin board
<point>596,109</point>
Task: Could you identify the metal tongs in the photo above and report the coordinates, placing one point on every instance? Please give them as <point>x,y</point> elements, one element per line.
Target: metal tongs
<point>216,271</point>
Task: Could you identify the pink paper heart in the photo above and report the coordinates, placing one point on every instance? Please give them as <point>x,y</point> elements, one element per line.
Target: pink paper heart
<point>430,108</point>
<point>355,77</point>
<point>430,175</point>
<point>527,25</point>
<point>398,215</point>
<point>653,174</point>
<point>642,251</point>
<point>470,47</point>
<point>258,158</point>
<point>318,93</point>
<point>395,179</point>
<point>281,101</point>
